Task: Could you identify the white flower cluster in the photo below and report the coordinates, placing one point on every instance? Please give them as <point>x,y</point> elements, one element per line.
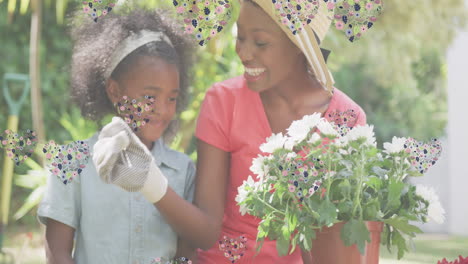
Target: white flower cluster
<point>301,130</point>
<point>435,210</point>
<point>396,146</point>
<point>242,193</point>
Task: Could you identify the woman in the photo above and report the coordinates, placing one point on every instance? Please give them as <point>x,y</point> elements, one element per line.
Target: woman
<point>285,78</point>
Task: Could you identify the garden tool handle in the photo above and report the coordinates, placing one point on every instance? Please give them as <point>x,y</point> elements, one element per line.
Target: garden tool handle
<point>15,105</point>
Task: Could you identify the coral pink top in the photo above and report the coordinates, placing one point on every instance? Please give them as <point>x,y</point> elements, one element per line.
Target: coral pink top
<point>232,118</point>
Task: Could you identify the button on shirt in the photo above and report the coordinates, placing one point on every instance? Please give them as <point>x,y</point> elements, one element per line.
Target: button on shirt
<point>113,226</point>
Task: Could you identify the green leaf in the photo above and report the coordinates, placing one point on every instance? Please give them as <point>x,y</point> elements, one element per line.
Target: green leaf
<point>292,222</point>
<point>344,210</point>
<point>345,188</point>
<point>285,231</point>
<point>403,225</point>
<point>399,241</point>
<point>395,190</point>
<point>371,210</point>
<point>327,212</point>
<point>355,232</point>
<point>33,199</point>
<point>375,183</point>
<point>379,171</point>
<point>282,246</point>
<point>372,152</point>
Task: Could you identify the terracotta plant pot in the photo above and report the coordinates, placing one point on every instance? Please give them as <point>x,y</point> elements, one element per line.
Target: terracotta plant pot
<point>328,248</point>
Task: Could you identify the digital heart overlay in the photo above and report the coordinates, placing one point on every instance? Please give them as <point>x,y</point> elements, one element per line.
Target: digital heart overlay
<point>66,161</point>
<point>355,17</point>
<point>18,146</point>
<point>203,20</point>
<point>342,122</point>
<point>233,248</point>
<point>135,111</point>
<point>423,155</point>
<point>97,8</point>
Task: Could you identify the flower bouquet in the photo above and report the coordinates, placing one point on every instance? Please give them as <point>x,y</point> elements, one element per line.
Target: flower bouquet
<point>325,173</point>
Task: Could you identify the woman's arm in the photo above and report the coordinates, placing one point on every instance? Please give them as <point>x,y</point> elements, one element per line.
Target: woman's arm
<point>184,250</point>
<point>200,224</point>
<point>59,243</point>
<point>306,257</point>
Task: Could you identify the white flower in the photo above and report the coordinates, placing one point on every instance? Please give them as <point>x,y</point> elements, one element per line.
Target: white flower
<point>274,142</point>
<point>358,132</point>
<point>289,143</point>
<point>242,193</point>
<point>326,128</point>
<point>435,210</point>
<point>396,146</point>
<point>258,166</point>
<point>299,129</point>
<point>314,138</point>
<point>291,155</point>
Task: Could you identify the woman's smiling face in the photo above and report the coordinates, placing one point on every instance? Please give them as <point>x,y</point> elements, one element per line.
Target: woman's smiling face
<point>268,56</point>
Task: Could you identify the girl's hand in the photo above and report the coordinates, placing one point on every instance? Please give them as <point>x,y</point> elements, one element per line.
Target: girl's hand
<point>122,159</point>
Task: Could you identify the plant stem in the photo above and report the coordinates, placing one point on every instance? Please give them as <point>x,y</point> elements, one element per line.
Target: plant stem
<point>268,205</point>
<point>360,175</point>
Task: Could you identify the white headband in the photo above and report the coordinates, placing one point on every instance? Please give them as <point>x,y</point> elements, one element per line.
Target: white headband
<point>131,43</point>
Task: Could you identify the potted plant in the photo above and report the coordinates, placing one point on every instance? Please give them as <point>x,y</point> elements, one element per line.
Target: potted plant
<point>324,180</point>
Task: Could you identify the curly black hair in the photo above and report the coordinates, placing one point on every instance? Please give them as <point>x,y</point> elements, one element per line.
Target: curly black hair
<point>93,47</point>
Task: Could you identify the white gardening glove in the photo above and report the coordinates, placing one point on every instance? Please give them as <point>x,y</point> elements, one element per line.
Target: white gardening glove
<point>122,159</point>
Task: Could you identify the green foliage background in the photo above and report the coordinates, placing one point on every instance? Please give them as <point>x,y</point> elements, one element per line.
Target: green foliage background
<point>396,72</point>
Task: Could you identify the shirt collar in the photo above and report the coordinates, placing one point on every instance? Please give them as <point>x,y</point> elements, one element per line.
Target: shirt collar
<point>162,154</point>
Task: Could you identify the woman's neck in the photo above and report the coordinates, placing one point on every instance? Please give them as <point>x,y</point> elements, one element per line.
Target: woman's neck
<point>295,90</point>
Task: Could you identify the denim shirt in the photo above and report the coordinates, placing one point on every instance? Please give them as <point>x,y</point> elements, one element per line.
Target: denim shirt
<point>113,226</point>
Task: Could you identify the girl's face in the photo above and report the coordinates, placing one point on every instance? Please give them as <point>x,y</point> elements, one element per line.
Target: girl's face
<point>155,77</point>
<point>269,57</point>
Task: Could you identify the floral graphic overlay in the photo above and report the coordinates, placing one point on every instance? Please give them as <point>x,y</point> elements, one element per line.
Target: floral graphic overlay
<point>203,19</point>
<point>135,111</point>
<point>314,177</point>
<point>423,155</point>
<point>343,122</point>
<point>355,17</point>
<point>97,8</point>
<point>182,260</point>
<point>301,176</point>
<point>233,248</point>
<point>18,146</point>
<point>296,14</point>
<point>66,161</point>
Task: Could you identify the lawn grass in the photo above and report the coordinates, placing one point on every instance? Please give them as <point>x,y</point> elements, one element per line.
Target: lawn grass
<point>429,248</point>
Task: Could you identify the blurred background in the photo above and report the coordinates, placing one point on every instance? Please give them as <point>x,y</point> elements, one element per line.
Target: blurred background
<point>409,73</point>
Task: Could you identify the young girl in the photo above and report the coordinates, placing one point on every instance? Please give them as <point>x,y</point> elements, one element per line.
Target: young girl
<point>134,63</point>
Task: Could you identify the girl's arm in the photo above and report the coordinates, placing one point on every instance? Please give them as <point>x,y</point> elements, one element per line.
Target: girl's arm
<point>59,243</point>
<point>200,224</point>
